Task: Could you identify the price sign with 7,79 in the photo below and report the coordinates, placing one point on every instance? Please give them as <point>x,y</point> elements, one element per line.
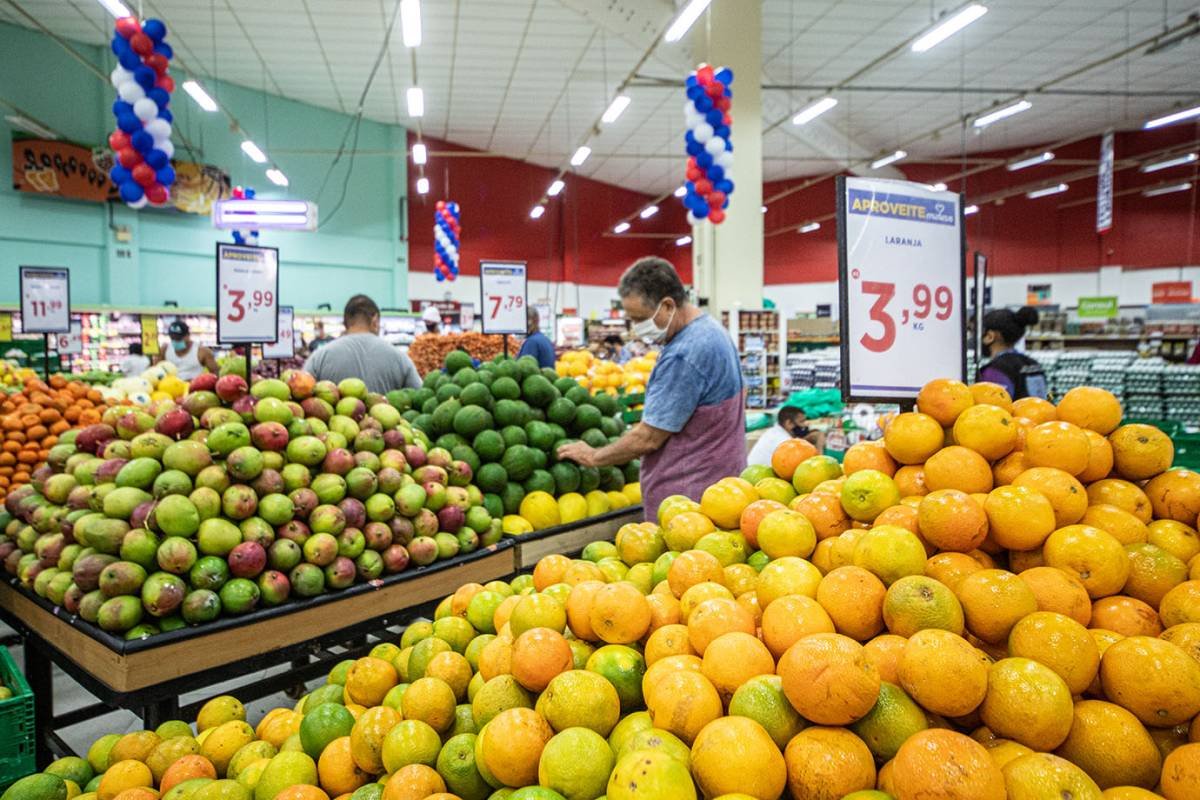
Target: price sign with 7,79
<point>502,288</point>
<point>902,287</point>
<point>247,294</point>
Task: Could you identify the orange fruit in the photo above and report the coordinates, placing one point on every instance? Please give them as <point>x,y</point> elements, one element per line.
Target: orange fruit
<point>665,609</point>
<point>910,481</point>
<point>579,609</point>
<point>828,763</point>
<point>789,455</point>
<point>1156,680</point>
<point>669,640</point>
<point>1111,745</point>
<point>788,620</point>
<point>412,782</point>
<point>124,775</point>
<point>1100,458</point>
<point>1019,517</point>
<point>716,617</point>
<point>1034,409</point>
<point>734,658</point>
<point>944,399</point>
<point>1047,775</point>
<point>904,516</point>
<point>1140,451</point>
<point>549,570</point>
<point>1175,494</point>
<point>994,394</point>
<point>912,437</point>
<point>724,501</point>
<point>885,652</point>
<point>664,667</point>
<point>699,593</point>
<point>1092,408</point>
<point>1091,555</point>
<point>942,764</point>
<point>752,516</point>
<point>369,681</point>
<point>538,655</point>
<point>337,771</point>
<point>1123,495</point>
<point>1177,538</point>
<point>787,575</point>
<point>988,430</point>
<point>1127,616</point>
<point>691,568</point>
<point>950,568</point>
<point>1181,604</point>
<point>958,467</point>
<point>511,745</point>
<point>1152,573</point>
<point>890,553</point>
<point>303,791</point>
<point>619,613</point>
<point>993,601</point>
<point>786,533</point>
<point>683,702</point>
<point>943,672</point>
<point>868,455</point>
<point>852,598</point>
<point>1057,444</point>
<point>1181,773</point>
<point>828,678</point>
<point>761,771</point>
<point>950,520</point>
<point>1060,592</point>
<point>1060,643</point>
<point>918,602</point>
<point>1065,493</point>
<point>824,511</point>
<point>686,528</point>
<point>184,769</point>
<point>367,735</point>
<point>1119,523</point>
<point>1027,702</point>
<point>1008,468</point>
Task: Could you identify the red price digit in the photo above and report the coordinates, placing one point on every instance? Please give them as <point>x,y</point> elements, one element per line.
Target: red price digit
<point>495,300</point>
<point>235,300</point>
<point>884,293</point>
<point>518,300</point>
<point>923,299</point>
<point>944,300</point>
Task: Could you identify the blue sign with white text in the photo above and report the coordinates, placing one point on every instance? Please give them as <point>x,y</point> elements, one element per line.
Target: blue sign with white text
<point>901,206</point>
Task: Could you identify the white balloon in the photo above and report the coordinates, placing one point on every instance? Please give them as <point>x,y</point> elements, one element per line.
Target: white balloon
<point>131,91</point>
<point>703,132</point>
<point>139,203</point>
<point>166,147</point>
<point>715,146</point>
<point>120,75</point>
<point>145,109</point>
<point>691,115</point>
<point>692,219</point>
<point>157,127</point>
<point>724,159</point>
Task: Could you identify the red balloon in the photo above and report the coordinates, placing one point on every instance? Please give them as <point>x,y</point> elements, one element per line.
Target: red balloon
<point>714,89</point>
<point>239,193</point>
<point>694,174</point>
<point>703,187</point>
<point>705,75</point>
<point>128,26</point>
<point>118,140</point>
<point>165,82</point>
<point>157,194</point>
<point>728,120</point>
<point>157,62</point>
<point>129,157</point>
<point>144,174</point>
<point>440,205</point>
<point>723,103</point>
<point>142,44</point>
<point>716,198</point>
<point>717,216</point>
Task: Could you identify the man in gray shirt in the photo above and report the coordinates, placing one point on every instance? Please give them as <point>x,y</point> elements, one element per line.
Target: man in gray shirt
<point>360,353</point>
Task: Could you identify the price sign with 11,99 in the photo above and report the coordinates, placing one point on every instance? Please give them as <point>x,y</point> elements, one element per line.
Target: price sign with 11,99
<point>502,286</point>
<point>285,347</point>
<point>902,286</point>
<point>247,294</point>
<point>45,300</point>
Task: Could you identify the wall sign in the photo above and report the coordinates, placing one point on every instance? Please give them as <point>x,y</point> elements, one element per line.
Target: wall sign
<point>247,294</point>
<point>285,346</point>
<point>45,300</point>
<point>1171,292</point>
<point>503,296</point>
<point>1098,307</point>
<point>902,286</point>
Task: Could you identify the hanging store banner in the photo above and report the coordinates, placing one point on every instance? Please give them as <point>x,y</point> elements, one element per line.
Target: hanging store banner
<point>902,287</point>
<point>1171,292</point>
<point>1098,307</point>
<point>1104,185</point>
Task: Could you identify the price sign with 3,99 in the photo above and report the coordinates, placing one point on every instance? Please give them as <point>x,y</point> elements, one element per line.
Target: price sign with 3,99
<point>45,300</point>
<point>285,347</point>
<point>902,286</point>
<point>247,294</point>
<point>502,285</point>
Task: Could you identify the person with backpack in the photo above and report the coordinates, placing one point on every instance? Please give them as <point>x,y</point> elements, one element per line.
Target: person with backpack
<point>1019,374</point>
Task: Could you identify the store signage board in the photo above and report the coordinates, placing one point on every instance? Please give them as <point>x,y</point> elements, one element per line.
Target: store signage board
<point>6,333</point>
<point>466,316</point>
<point>1104,185</point>
<point>1098,307</point>
<point>902,288</point>
<point>150,345</point>
<point>45,300</point>
<point>570,332</point>
<point>247,294</point>
<point>70,343</point>
<point>980,301</point>
<point>1171,292</point>
<point>502,286</point>
<point>285,346</point>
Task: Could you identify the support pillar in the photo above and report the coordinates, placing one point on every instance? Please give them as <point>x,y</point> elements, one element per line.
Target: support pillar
<point>727,259</point>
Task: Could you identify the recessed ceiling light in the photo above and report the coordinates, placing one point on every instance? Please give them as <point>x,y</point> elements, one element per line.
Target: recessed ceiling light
<point>251,149</point>
<point>410,22</point>
<point>276,177</point>
<point>1046,192</point>
<point>681,191</point>
<point>1170,119</point>
<point>197,93</point>
<point>1179,161</point>
<point>891,158</point>
<point>1032,161</point>
<point>937,187</point>
<point>537,211</point>
<point>621,227</point>
<point>814,110</point>
<point>116,8</point>
<point>422,185</point>
<point>615,109</point>
<point>580,155</point>
<point>684,21</point>
<point>648,212</point>
<point>555,188</point>
<point>416,102</point>
<point>682,240</point>
<point>1002,113</point>
<point>810,227</point>
<point>969,210</point>
<point>948,27</point>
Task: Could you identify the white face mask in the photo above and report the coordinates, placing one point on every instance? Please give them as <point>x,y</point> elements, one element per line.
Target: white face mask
<point>648,331</point>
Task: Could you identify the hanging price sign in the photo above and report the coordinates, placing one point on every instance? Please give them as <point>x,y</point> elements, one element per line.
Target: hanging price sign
<point>149,335</point>
<point>285,347</point>
<point>5,327</point>
<point>45,300</point>
<point>502,285</point>
<point>902,285</point>
<point>247,294</point>
<point>70,343</point>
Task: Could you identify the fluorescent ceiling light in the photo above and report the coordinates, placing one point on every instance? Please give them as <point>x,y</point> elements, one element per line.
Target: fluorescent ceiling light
<point>648,212</point>
<point>244,214</point>
<point>537,211</point>
<point>26,124</point>
<point>1002,113</point>
<point>686,18</point>
<point>1046,192</point>
<point>764,209</point>
<point>937,187</point>
<point>814,110</point>
<point>1178,187</point>
<point>948,27</point>
<point>621,227</point>
<point>1169,119</point>
<point>422,185</point>
<point>420,153</point>
<point>681,191</point>
<point>682,240</point>
<point>202,98</point>
<point>251,149</point>
<point>116,8</point>
<point>580,155</point>
<point>416,102</point>
<point>276,177</point>
<point>810,227</point>
<point>410,22</point>
<point>615,109</point>
<point>556,188</point>
<point>969,210</point>
<point>1032,161</point>
<point>1178,161</point>
<point>891,158</point>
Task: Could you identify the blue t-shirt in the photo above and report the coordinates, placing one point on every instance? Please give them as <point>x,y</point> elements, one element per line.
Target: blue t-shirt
<point>538,345</point>
<point>699,367</point>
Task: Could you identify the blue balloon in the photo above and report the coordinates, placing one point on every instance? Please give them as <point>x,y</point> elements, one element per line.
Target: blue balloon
<point>119,174</point>
<point>701,210</point>
<point>691,81</point>
<point>725,186</point>
<point>694,148</point>
<point>704,104</point>
<point>689,137</point>
<point>729,145</point>
<point>157,159</point>
<point>249,193</point>
<point>722,130</point>
<point>727,93</point>
<point>116,45</point>
<point>129,59</point>
<point>145,77</point>
<point>725,204</point>
<point>724,75</point>
<point>714,116</point>
<point>716,172</point>
<point>439,275</point>
<point>690,187</point>
<point>165,176</point>
<point>155,29</point>
<point>695,92</point>
<point>729,186</point>
<point>121,107</point>
<point>165,113</point>
<point>142,141</point>
<point>159,96</point>
<point>129,123</point>
<point>164,49</point>
<point>704,159</point>
<point>131,192</point>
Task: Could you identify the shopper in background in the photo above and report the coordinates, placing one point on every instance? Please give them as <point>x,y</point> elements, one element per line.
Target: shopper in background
<point>1021,375</point>
<point>321,338</point>
<point>693,425</point>
<point>135,363</point>
<point>614,349</point>
<point>432,319</point>
<point>789,424</point>
<point>360,353</point>
<point>189,358</point>
<point>536,344</point>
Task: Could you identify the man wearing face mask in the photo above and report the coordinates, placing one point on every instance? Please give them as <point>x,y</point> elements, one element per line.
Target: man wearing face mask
<point>692,432</point>
<point>189,358</point>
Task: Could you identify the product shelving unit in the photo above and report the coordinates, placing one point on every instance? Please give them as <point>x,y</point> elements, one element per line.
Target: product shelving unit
<point>761,339</point>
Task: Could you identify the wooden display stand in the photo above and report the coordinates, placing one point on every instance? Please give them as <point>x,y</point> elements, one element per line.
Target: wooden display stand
<point>571,539</point>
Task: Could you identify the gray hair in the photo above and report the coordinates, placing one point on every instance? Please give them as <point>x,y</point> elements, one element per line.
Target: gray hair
<point>653,279</point>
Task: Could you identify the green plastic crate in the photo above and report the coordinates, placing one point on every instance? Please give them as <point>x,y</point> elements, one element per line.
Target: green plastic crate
<point>1169,427</point>
<point>18,733</point>
<point>1187,450</point>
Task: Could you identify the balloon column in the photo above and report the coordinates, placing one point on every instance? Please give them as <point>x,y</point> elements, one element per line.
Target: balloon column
<point>445,241</point>
<point>142,140</point>
<point>249,237</point>
<point>709,148</point>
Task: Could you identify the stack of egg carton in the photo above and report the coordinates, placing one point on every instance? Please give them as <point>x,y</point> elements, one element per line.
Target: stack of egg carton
<point>828,373</point>
<point>1144,389</point>
<point>800,370</point>
<point>1181,391</point>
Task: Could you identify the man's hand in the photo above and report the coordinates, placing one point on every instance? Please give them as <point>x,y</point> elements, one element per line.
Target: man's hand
<point>581,453</point>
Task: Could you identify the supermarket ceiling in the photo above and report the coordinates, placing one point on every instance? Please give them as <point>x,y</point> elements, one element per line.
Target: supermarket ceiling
<point>528,79</point>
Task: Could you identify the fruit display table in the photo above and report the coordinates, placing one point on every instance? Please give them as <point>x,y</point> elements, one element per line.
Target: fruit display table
<point>571,539</point>
<point>147,676</point>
